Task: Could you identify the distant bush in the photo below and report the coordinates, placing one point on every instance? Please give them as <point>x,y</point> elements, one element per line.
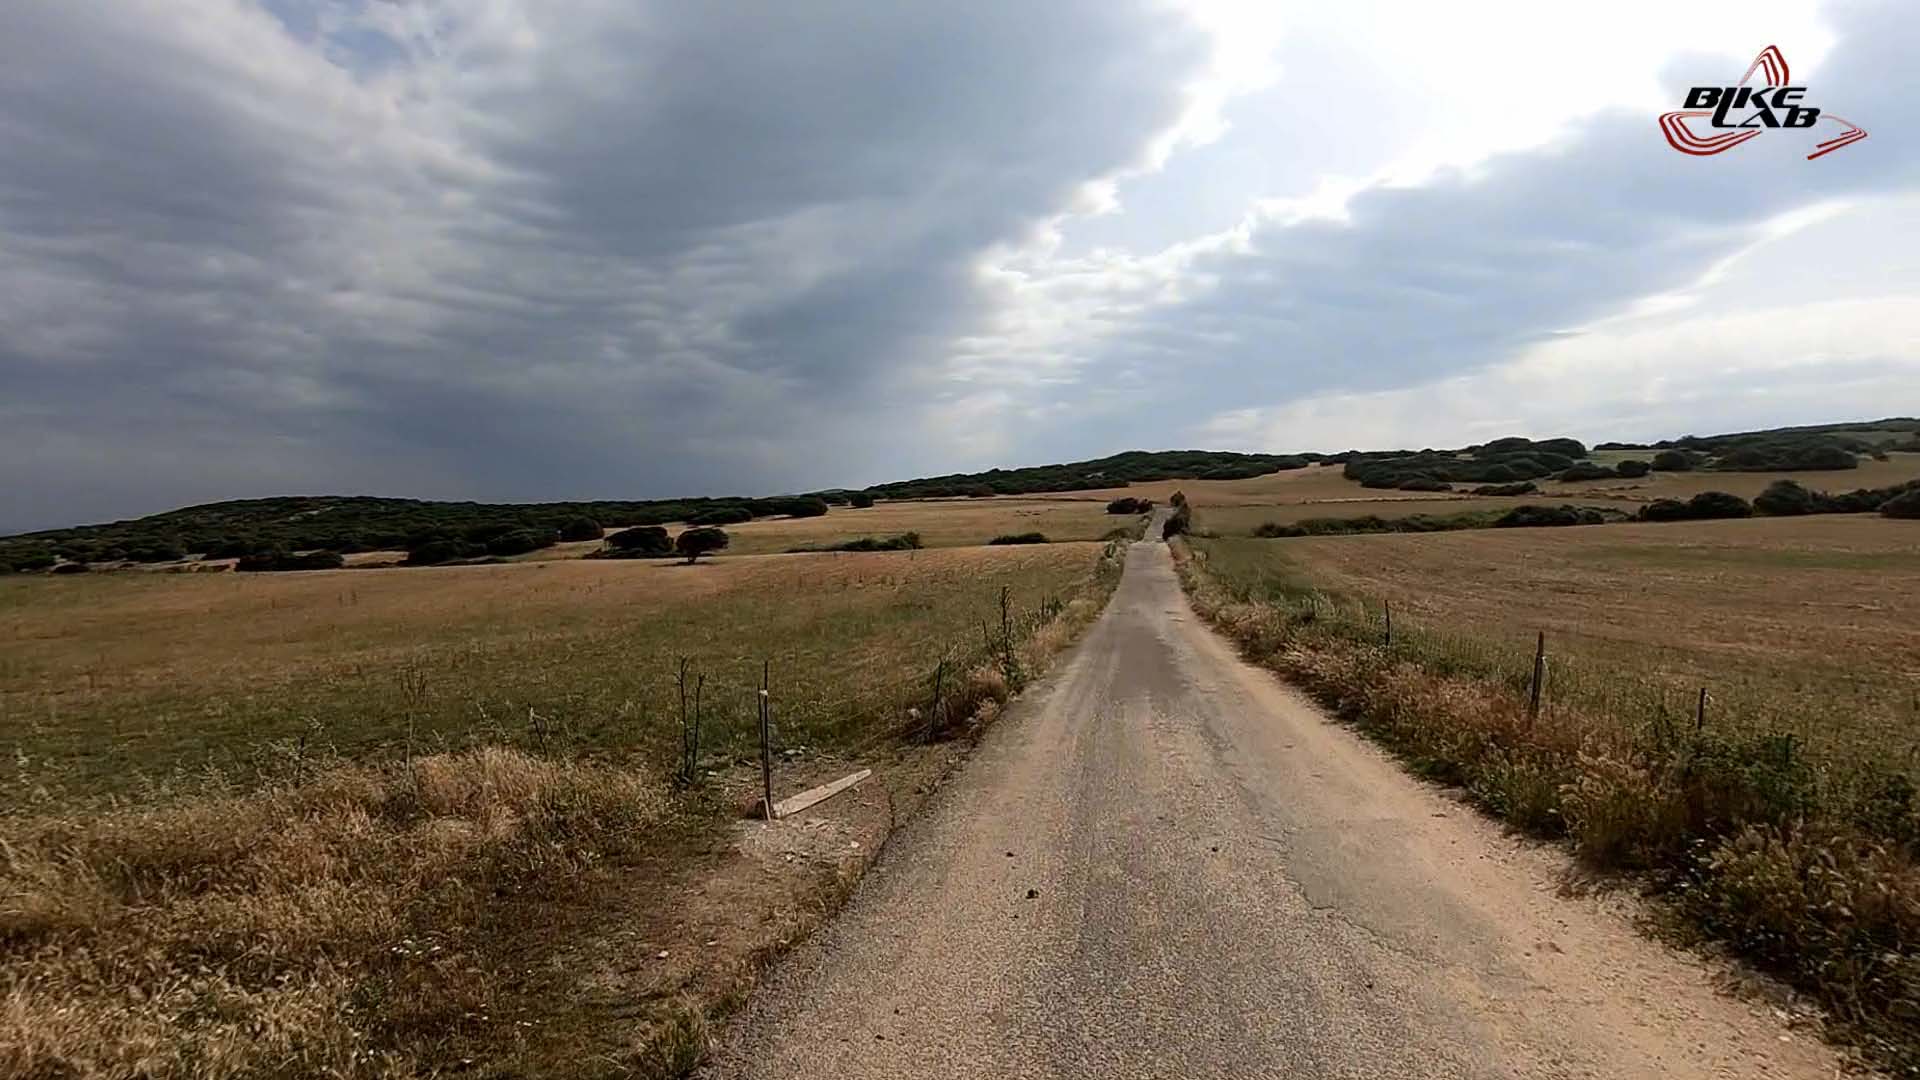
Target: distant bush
<point>1583,471</point>
<point>645,541</point>
<point>800,506</point>
<point>1784,498</point>
<point>281,561</point>
<point>1664,510</point>
<point>694,543</point>
<point>1905,506</point>
<point>519,542</point>
<point>1533,517</point>
<point>1020,538</point>
<point>72,568</point>
<point>435,552</point>
<point>581,528</point>
<point>1788,454</point>
<point>1522,488</point>
<point>908,541</point>
<point>725,515</point>
<point>860,500</point>
<point>167,551</point>
<point>1129,506</point>
<point>1718,504</point>
<point>1673,461</point>
<point>1633,468</point>
<point>1424,483</point>
<point>978,491</point>
<point>1704,506</point>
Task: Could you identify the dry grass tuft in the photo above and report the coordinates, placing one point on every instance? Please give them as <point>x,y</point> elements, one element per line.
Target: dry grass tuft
<point>306,928</point>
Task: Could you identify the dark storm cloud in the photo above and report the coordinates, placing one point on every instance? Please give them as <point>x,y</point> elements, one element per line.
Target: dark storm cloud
<point>583,248</point>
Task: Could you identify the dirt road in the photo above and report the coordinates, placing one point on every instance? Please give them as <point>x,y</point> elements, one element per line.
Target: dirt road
<point>1163,863</point>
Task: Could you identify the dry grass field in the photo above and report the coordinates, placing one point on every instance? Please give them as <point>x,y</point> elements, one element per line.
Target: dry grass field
<point>414,822</point>
<point>1784,821</point>
<point>940,522</point>
<point>1806,623</point>
<point>112,680</point>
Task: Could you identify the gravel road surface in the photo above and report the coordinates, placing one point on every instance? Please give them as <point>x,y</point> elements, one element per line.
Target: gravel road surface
<point>1164,863</point>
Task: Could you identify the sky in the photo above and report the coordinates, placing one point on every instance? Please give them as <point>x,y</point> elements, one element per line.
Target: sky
<point>525,250</point>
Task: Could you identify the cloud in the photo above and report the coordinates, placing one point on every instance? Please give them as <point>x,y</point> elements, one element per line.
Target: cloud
<point>521,250</point>
<point>524,249</point>
<point>1404,285</point>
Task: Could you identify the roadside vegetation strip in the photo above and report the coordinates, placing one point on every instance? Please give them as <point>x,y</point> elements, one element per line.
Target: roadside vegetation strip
<point>393,909</point>
<point>1803,863</point>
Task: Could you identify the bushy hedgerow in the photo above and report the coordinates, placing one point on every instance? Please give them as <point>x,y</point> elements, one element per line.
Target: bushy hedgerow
<point>907,541</point>
<point>1019,538</point>
<point>1532,517</point>
<point>1423,483</point>
<point>1784,498</point>
<point>1129,506</point>
<point>641,542</point>
<point>1522,488</point>
<point>1704,506</point>
<point>281,561</point>
<point>520,542</point>
<point>724,515</point>
<point>1582,471</point>
<point>581,528</point>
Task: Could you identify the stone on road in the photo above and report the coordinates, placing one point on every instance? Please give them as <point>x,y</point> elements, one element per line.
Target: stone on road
<point>1164,863</point>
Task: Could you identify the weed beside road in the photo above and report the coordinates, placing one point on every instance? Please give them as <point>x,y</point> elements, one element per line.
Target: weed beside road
<point>1798,852</point>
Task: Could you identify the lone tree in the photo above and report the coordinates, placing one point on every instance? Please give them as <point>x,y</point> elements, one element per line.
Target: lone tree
<point>697,542</point>
<point>859,500</point>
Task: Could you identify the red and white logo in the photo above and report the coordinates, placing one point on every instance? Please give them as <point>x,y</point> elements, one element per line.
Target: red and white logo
<point>1742,112</point>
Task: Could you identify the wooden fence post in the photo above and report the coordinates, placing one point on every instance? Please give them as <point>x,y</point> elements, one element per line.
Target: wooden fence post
<point>766,740</point>
<point>1700,713</point>
<point>1389,641</point>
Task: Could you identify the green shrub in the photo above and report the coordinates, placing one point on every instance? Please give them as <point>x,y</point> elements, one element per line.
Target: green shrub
<point>907,541</point>
<point>1587,470</point>
<point>1903,506</point>
<point>1784,498</point>
<point>1673,461</point>
<point>1524,487</point>
<point>72,568</point>
<point>694,543</point>
<point>1531,516</point>
<point>581,528</point>
<point>1718,504</point>
<point>1633,468</point>
<point>645,541</point>
<point>519,542</point>
<point>860,500</point>
<point>435,552</point>
<point>724,515</point>
<point>1423,483</point>
<point>1129,506</point>
<point>281,561</point>
<point>1019,538</point>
